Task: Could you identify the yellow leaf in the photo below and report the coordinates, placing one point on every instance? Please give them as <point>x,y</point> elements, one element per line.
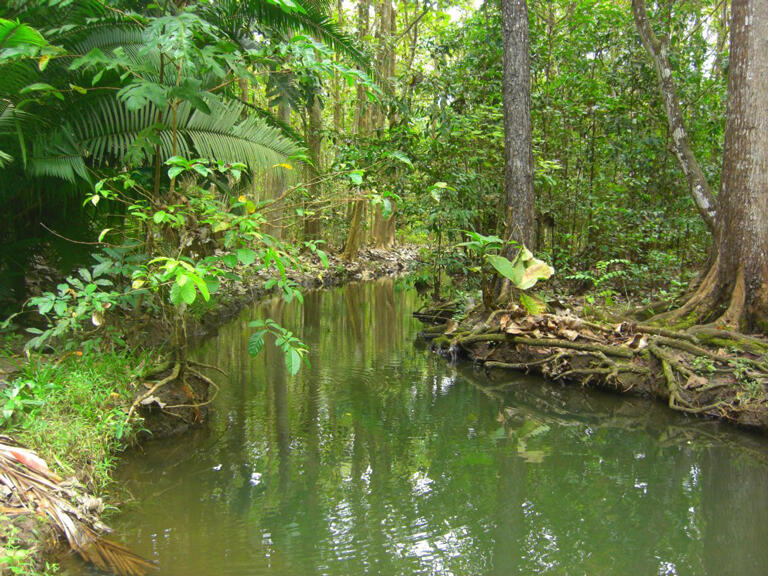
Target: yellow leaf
<point>43,62</point>
<point>242,198</point>
<point>283,165</point>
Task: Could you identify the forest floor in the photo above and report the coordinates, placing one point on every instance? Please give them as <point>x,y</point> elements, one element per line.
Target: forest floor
<point>80,409</point>
<point>704,370</point>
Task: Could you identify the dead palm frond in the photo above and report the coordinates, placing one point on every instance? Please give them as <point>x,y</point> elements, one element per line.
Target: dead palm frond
<point>41,491</point>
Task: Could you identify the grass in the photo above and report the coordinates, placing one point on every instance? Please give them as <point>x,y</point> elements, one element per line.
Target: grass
<point>15,557</point>
<point>72,411</point>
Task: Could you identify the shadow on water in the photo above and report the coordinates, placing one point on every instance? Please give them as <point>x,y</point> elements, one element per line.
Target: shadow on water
<point>380,458</point>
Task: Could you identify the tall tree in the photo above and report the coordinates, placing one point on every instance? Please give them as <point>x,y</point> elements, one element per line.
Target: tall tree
<point>735,290</point>
<point>357,212</point>
<point>383,228</point>
<point>519,203</point>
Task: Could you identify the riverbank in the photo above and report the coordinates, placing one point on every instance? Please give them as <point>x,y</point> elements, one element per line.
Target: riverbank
<point>80,409</point>
<point>703,371</point>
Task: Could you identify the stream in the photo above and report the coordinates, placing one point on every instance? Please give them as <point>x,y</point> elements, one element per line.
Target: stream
<point>381,458</point>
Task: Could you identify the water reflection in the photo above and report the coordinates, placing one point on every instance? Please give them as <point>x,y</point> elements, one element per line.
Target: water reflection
<point>382,459</point>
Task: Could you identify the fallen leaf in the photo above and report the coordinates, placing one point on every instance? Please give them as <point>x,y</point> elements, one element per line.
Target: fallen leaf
<point>569,334</point>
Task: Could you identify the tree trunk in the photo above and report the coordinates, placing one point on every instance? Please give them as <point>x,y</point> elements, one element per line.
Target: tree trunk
<point>357,215</point>
<point>697,183</point>
<point>518,156</point>
<point>315,143</point>
<point>383,229</point>
<point>276,183</point>
<point>338,110</point>
<point>743,242</point>
<point>735,291</point>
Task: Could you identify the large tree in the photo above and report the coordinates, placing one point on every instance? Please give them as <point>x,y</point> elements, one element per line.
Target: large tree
<point>734,292</point>
<point>519,204</point>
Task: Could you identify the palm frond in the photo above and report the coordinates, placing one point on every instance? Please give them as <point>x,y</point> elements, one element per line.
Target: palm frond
<point>239,18</point>
<point>57,155</point>
<point>36,488</point>
<point>109,131</point>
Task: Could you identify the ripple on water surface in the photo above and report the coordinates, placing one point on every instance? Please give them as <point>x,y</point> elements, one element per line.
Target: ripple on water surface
<point>380,458</point>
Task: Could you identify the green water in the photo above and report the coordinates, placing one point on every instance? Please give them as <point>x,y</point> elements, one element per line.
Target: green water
<point>383,459</point>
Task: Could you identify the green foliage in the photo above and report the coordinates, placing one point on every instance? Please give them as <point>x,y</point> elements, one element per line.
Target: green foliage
<point>524,271</point>
<point>15,558</point>
<point>294,350</point>
<point>73,410</point>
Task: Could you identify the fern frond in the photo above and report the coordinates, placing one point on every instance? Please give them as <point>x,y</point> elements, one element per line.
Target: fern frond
<point>238,18</point>
<point>108,131</point>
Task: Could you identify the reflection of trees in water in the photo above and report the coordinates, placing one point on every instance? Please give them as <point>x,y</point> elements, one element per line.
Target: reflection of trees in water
<point>731,514</point>
<point>406,470</point>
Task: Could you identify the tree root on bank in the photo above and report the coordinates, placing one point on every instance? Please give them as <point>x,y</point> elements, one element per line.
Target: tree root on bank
<point>179,398</point>
<point>703,371</point>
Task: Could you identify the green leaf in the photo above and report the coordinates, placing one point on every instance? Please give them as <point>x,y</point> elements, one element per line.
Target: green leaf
<point>402,157</point>
<point>356,177</point>
<point>246,256</point>
<point>230,260</point>
<point>14,34</point>
<point>532,304</point>
<point>39,87</point>
<point>256,342</point>
<point>175,171</point>
<point>292,361</point>
<point>509,270</point>
<point>183,291</point>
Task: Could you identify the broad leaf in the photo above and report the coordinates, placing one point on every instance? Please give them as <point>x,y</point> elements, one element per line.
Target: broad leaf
<point>512,271</point>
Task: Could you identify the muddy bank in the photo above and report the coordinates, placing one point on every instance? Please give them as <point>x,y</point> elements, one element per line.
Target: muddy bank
<point>703,371</point>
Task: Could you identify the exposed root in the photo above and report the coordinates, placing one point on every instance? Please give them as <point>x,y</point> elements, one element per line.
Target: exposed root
<point>210,383</point>
<point>698,308</point>
<point>733,316</point>
<point>717,373</point>
<point>157,385</point>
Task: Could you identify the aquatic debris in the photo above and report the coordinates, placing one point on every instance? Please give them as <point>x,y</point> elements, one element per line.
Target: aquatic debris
<point>30,485</point>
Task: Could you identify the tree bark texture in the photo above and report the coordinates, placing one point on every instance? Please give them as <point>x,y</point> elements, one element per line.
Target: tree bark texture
<point>383,229</point>
<point>315,143</point>
<point>697,182</point>
<point>355,234</point>
<point>734,293</point>
<point>743,241</point>
<point>518,156</point>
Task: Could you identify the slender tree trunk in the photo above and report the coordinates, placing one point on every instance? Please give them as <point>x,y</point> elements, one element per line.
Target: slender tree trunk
<point>315,143</point>
<point>697,182</point>
<point>383,229</point>
<point>276,183</point>
<point>518,156</point>
<point>357,215</point>
<point>338,110</point>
